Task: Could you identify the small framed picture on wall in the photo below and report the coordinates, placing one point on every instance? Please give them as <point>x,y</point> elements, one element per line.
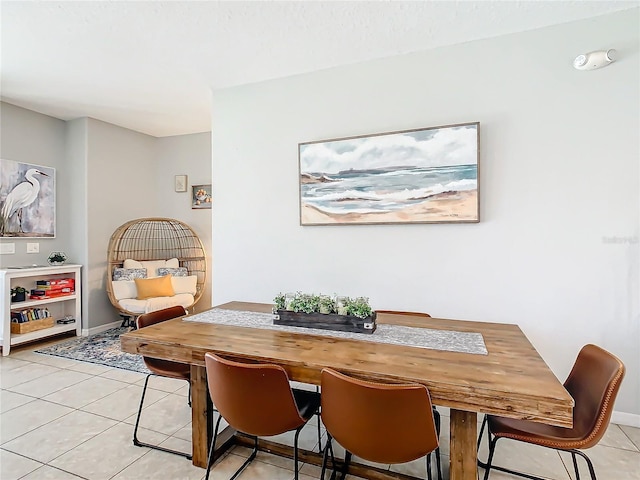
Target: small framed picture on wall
<point>201,196</point>
<point>181,183</point>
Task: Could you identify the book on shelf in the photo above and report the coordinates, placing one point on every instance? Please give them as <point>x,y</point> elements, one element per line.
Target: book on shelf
<point>52,291</point>
<point>29,314</point>
<point>58,282</point>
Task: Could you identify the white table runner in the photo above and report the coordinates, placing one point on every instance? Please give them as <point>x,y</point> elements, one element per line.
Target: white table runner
<point>451,341</point>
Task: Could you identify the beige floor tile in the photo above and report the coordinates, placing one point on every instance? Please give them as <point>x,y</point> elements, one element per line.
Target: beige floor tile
<point>169,385</point>
<point>43,386</point>
<point>13,467</point>
<point>261,470</point>
<point>105,455</point>
<point>124,402</point>
<point>609,463</point>
<point>184,433</point>
<point>633,434</point>
<point>523,457</point>
<point>25,373</point>
<point>149,466</point>
<point>52,360</point>
<point>167,415</point>
<point>121,375</point>
<point>59,436</point>
<point>615,437</point>
<point>178,444</point>
<point>10,400</point>
<point>307,439</point>
<point>85,392</point>
<point>49,473</point>
<point>28,417</point>
<point>91,368</point>
<point>9,363</point>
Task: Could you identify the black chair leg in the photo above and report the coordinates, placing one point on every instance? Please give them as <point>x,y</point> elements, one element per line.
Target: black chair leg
<point>592,471</point>
<point>429,477</point>
<point>211,458</point>
<point>295,453</point>
<point>345,465</point>
<point>248,460</point>
<point>137,442</point>
<point>328,449</point>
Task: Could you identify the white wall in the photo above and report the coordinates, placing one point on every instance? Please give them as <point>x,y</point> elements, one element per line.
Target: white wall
<point>559,177</point>
<point>186,155</point>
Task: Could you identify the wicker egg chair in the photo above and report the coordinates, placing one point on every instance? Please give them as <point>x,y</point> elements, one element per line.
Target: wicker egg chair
<point>147,239</point>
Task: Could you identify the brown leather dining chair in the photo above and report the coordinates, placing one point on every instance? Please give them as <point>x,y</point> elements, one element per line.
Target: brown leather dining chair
<point>257,400</point>
<point>382,423</point>
<point>593,383</point>
<point>436,413</point>
<point>161,368</point>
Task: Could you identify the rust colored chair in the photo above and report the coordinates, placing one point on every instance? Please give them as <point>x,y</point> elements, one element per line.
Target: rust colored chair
<point>436,413</point>
<point>383,423</point>
<point>161,368</point>
<point>257,400</point>
<point>593,383</point>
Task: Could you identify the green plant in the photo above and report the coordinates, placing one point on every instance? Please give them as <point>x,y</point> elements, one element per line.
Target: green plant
<point>18,290</point>
<point>279,301</point>
<point>57,257</point>
<point>358,307</point>
<point>326,304</point>
<point>303,302</point>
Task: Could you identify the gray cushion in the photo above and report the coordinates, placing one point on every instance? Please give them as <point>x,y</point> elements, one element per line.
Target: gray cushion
<point>176,272</point>
<point>129,273</point>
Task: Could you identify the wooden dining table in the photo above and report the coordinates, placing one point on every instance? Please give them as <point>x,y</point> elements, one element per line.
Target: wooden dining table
<point>510,380</point>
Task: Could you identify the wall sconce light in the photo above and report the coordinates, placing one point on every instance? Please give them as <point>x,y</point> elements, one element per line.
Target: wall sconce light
<point>593,60</point>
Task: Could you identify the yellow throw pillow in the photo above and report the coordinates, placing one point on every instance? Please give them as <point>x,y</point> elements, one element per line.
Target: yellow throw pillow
<point>154,287</point>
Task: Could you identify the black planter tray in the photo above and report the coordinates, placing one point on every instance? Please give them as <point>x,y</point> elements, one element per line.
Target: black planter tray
<point>329,321</point>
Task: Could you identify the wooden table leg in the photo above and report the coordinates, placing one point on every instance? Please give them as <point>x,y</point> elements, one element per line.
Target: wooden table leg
<point>463,449</point>
<point>199,421</point>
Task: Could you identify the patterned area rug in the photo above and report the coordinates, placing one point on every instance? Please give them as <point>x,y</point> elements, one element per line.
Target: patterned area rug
<point>102,348</point>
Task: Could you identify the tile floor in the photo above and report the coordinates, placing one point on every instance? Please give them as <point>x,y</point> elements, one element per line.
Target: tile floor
<point>63,420</point>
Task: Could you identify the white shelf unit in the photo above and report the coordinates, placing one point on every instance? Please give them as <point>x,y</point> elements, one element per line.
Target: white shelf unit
<point>59,307</point>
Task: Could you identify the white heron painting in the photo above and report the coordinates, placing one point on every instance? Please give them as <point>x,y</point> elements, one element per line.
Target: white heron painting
<point>27,200</point>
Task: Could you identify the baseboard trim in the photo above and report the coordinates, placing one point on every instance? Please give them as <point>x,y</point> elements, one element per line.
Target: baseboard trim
<point>628,419</point>
<point>100,328</point>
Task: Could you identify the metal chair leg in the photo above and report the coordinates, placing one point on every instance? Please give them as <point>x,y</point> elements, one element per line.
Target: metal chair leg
<point>492,446</point>
<point>328,448</point>
<point>575,465</point>
<point>248,460</point>
<point>429,477</point>
<point>137,442</point>
<point>211,457</point>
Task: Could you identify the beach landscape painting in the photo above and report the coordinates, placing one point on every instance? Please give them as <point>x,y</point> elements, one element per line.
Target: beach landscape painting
<point>427,175</point>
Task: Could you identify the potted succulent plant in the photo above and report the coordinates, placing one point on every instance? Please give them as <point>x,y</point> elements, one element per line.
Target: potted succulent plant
<point>18,294</point>
<point>326,304</point>
<point>325,312</point>
<point>57,258</point>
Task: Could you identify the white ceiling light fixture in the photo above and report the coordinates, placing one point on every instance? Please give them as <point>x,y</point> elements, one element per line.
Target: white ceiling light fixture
<point>593,60</point>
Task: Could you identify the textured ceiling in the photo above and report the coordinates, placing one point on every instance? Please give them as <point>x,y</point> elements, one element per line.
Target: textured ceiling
<point>150,66</point>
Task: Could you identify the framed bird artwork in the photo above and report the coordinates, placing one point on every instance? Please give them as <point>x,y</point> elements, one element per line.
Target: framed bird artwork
<point>27,200</point>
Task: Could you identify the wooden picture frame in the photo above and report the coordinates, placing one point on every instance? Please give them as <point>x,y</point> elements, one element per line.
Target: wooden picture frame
<point>201,196</point>
<point>180,183</point>
<point>26,215</point>
<point>426,175</point>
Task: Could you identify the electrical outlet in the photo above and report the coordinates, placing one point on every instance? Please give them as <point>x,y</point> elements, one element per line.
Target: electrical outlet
<point>7,248</point>
<point>33,248</point>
